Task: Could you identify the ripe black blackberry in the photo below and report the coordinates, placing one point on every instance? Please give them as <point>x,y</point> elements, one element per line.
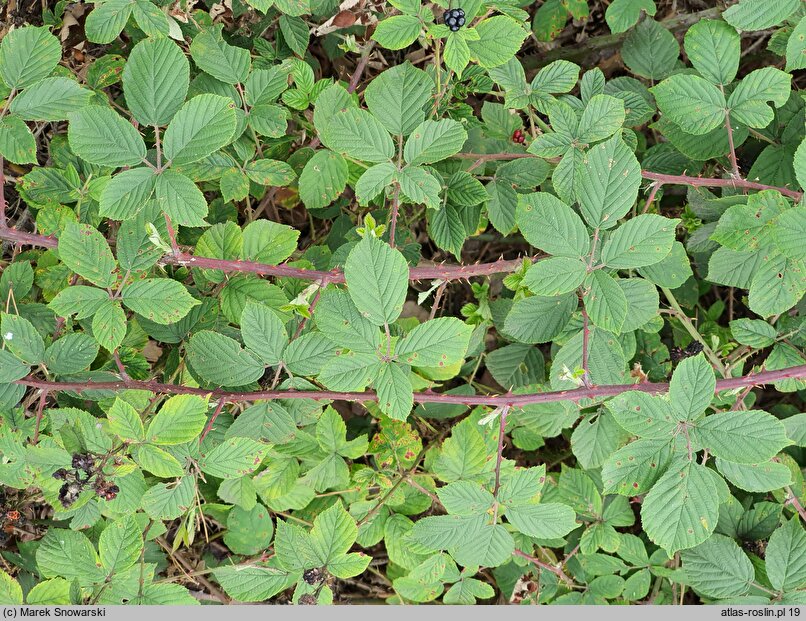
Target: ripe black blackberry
<point>676,354</point>
<point>313,576</point>
<point>60,474</point>
<point>83,461</point>
<point>454,19</point>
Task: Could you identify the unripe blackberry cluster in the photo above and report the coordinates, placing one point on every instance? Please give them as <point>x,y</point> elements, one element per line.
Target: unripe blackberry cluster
<point>454,18</point>
<point>518,136</point>
<point>74,482</point>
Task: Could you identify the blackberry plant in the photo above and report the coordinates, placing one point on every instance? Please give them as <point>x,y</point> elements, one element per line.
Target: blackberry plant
<point>318,302</point>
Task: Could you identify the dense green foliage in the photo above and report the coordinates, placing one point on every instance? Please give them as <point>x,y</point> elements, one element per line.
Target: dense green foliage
<point>257,344</point>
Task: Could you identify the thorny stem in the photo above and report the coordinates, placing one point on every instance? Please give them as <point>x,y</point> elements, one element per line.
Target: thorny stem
<point>702,182</point>
<point>513,400</point>
<point>431,272</point>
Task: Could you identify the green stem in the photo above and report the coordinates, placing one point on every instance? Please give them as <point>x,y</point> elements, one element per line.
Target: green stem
<point>689,326</point>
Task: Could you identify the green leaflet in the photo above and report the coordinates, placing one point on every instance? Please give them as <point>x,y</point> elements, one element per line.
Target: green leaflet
<point>323,179</point>
<point>213,55</point>
<point>438,342</point>
<point>202,125</point>
<point>696,105</point>
<point>394,391</point>
<point>359,134</point>
<point>681,510</point>
<point>752,14</point>
<point>263,333</point>
<point>550,225</point>
<point>650,50</point>
<point>432,141</point>
<point>155,81</point>
<point>180,419</point>
<point>398,96</point>
<point>641,241</point>
<point>159,299</point>
<point>377,280</point>
<point>51,99</point>
<point>28,55</point>
<point>85,251</point>
<point>713,48</point>
<point>101,136</point>
<point>719,568</point>
<point>753,437</point>
<point>398,31</point>
<point>622,14</point>
<point>610,176</point>
<point>221,360</point>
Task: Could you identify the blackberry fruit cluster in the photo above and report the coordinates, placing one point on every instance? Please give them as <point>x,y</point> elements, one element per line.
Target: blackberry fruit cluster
<point>454,19</point>
<point>518,136</point>
<point>313,576</point>
<point>74,482</point>
<point>676,354</point>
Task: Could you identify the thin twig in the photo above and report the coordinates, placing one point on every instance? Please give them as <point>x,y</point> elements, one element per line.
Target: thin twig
<point>3,223</point>
<point>693,332</point>
<point>359,69</point>
<point>437,299</point>
<point>734,163</point>
<point>586,381</point>
<point>655,187</point>
<point>172,235</point>
<point>209,427</point>
<point>555,570</point>
<point>119,364</point>
<point>39,413</point>
<point>499,458</point>
<point>393,217</point>
<point>793,500</point>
